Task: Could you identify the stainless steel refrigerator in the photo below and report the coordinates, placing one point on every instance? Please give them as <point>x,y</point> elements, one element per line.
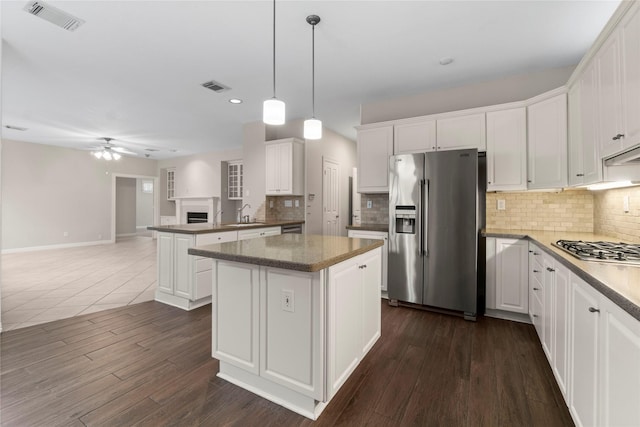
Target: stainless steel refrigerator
<point>436,212</point>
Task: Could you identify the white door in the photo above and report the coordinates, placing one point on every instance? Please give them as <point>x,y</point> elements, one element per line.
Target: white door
<point>330,198</point>
<point>356,218</point>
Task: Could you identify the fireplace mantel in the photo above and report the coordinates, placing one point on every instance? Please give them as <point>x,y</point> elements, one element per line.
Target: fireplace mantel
<point>196,204</point>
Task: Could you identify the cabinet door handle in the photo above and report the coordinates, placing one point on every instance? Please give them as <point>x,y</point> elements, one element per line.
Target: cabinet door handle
<point>594,310</point>
<point>535,315</point>
<point>579,174</point>
<point>618,136</point>
<point>536,289</point>
<point>536,253</point>
<point>488,182</point>
<point>529,181</point>
<point>550,269</point>
<point>536,271</point>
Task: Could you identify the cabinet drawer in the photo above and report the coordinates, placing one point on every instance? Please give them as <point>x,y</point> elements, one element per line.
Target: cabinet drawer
<point>204,282</point>
<point>203,264</point>
<point>211,238</point>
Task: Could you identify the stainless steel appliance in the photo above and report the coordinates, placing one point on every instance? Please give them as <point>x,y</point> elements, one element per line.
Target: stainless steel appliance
<point>621,253</point>
<point>436,212</point>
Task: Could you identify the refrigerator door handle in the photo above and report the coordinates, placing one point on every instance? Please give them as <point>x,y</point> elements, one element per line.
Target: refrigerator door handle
<point>425,224</point>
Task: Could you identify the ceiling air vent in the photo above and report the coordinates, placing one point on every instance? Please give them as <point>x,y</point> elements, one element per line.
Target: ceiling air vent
<point>54,15</point>
<point>215,86</point>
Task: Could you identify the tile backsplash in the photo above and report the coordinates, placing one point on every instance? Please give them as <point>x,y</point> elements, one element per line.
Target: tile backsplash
<point>378,213</point>
<point>278,209</point>
<point>570,210</point>
<point>611,219</point>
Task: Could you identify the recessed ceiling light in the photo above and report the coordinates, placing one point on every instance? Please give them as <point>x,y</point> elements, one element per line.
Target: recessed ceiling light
<point>235,101</point>
<point>446,60</point>
<point>15,128</point>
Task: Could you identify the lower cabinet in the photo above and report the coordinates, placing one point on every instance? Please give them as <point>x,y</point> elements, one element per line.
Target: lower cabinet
<point>605,360</point>
<point>293,336</point>
<point>380,235</point>
<point>507,275</point>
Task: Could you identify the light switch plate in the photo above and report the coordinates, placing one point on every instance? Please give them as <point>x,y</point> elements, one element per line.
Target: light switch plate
<point>287,302</point>
<point>271,204</point>
<point>369,204</point>
<point>288,204</point>
<point>502,205</point>
<point>297,203</point>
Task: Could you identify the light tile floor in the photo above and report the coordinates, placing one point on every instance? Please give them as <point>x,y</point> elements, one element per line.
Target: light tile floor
<point>43,286</point>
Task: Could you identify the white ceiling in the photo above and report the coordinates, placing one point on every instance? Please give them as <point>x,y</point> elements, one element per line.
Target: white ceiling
<point>133,70</point>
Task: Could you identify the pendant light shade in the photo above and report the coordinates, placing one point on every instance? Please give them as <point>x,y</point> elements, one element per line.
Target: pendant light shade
<point>273,110</point>
<point>312,129</point>
<point>313,126</point>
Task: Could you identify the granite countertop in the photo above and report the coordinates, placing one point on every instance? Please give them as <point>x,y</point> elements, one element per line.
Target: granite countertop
<point>299,252</point>
<point>620,283</point>
<point>202,228</point>
<point>369,227</point>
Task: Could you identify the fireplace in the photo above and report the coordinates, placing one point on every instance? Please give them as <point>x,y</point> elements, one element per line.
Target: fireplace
<point>196,217</point>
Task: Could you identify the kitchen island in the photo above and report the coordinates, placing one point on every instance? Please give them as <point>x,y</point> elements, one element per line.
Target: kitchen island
<point>293,315</point>
<point>184,281</point>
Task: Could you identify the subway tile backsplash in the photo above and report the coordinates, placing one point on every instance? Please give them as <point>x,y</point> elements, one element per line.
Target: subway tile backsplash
<point>570,210</point>
<point>378,213</point>
<point>283,208</point>
<point>610,217</point>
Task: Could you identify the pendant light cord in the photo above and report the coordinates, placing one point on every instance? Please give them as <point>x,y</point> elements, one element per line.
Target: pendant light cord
<point>313,71</point>
<point>274,48</point>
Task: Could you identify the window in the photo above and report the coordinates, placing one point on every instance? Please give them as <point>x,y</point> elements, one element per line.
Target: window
<point>235,180</point>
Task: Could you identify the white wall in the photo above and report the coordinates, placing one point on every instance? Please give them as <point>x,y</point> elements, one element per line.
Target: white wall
<point>48,190</point>
<point>253,159</point>
<point>507,89</point>
<point>125,206</point>
<point>144,204</point>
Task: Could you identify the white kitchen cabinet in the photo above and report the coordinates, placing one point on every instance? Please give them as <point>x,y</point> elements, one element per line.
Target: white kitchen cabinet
<point>547,143</point>
<point>235,182</point>
<point>575,150</point>
<point>171,184</point>
<point>536,289</point>
<point>284,167</point>
<point>610,95</point>
<point>630,35</point>
<point>349,296</point>
<point>457,133</point>
<point>259,232</point>
<point>416,137</point>
<point>512,291</point>
<point>374,146</point>
<point>185,280</point>
<point>379,235</point>
<point>561,326</point>
<point>507,150</point>
<point>585,341</point>
<point>619,382</point>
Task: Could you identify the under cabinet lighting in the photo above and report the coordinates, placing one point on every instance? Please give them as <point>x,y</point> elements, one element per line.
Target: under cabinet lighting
<point>610,185</point>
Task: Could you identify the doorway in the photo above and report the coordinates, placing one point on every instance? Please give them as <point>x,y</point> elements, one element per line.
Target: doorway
<point>330,197</point>
<point>133,206</point>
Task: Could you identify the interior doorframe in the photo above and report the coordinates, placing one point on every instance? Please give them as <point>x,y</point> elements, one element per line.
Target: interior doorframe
<point>156,200</point>
<point>337,163</point>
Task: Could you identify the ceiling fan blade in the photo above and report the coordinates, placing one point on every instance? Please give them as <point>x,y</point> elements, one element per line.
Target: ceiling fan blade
<point>124,151</point>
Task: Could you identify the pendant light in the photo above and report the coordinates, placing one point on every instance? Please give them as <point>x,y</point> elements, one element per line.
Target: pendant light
<point>313,126</point>
<point>273,109</point>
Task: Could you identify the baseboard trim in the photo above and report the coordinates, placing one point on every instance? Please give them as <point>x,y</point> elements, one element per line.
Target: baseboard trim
<point>126,235</point>
<point>60,246</point>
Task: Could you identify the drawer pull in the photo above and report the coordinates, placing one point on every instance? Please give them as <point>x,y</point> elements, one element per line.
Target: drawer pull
<point>594,310</point>
<point>536,271</point>
<point>536,289</point>
<point>550,269</point>
<point>535,315</point>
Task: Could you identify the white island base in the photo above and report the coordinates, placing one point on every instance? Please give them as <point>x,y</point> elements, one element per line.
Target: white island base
<point>294,337</point>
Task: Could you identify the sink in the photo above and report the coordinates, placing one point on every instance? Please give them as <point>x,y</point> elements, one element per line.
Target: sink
<point>244,224</point>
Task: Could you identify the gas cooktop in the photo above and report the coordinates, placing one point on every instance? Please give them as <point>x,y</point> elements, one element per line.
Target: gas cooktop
<point>622,253</point>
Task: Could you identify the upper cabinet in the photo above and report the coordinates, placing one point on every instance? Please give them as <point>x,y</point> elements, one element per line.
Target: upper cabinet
<point>618,62</point>
<point>585,166</point>
<point>630,34</point>
<point>171,184</point>
<point>284,167</point>
<point>417,137</point>
<point>457,133</point>
<point>375,145</point>
<point>235,180</point>
<point>507,150</point>
<point>547,136</point>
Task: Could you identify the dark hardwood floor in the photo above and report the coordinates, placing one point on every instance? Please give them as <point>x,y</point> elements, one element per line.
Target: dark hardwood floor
<point>150,365</point>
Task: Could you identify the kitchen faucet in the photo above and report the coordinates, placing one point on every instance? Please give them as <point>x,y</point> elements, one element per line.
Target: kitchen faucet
<point>243,218</point>
<point>215,217</point>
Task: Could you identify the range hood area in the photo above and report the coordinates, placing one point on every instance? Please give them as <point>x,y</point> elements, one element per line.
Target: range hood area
<point>626,158</point>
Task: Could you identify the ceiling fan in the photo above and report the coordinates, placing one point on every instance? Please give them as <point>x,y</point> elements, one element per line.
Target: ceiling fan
<point>109,150</point>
